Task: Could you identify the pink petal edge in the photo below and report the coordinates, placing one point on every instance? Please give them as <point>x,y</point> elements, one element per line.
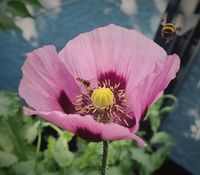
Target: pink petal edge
<point>152,87</point>
<point>44,76</point>
<point>72,122</point>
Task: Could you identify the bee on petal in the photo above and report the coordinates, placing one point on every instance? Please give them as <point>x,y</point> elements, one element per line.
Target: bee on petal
<point>85,83</point>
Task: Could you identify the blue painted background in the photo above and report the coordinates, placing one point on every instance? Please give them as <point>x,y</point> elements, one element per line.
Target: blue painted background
<point>184,122</point>
<point>68,18</point>
<point>64,22</point>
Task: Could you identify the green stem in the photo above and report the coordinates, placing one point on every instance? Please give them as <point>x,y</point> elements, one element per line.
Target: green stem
<point>38,146</point>
<point>58,130</point>
<point>104,157</point>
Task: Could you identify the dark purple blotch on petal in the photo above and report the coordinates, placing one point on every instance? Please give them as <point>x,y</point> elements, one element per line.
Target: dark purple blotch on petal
<point>65,103</point>
<point>114,79</point>
<point>86,134</point>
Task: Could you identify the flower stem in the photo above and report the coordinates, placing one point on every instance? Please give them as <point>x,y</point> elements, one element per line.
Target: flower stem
<point>104,157</point>
<point>38,146</point>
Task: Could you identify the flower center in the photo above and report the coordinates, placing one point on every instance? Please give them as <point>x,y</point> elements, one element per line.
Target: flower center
<point>106,102</point>
<point>102,98</point>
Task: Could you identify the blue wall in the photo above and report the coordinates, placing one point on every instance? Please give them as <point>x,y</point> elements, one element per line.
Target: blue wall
<point>60,24</point>
<point>184,122</point>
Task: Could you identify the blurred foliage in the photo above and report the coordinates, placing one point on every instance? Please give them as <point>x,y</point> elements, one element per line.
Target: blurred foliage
<point>12,9</point>
<point>21,138</point>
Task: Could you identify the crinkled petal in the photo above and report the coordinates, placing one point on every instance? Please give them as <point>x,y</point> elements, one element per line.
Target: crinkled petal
<point>153,85</point>
<point>46,81</point>
<point>86,127</point>
<point>112,48</point>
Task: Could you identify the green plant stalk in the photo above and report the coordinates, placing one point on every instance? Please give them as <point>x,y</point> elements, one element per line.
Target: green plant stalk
<point>58,130</point>
<point>38,147</point>
<point>104,157</point>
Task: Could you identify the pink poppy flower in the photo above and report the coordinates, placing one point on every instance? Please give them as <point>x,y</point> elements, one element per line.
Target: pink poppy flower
<point>100,85</point>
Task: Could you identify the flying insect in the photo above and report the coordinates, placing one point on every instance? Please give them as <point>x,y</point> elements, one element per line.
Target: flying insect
<point>169,29</point>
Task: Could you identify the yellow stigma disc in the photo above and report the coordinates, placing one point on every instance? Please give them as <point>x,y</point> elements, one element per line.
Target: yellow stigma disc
<point>102,98</point>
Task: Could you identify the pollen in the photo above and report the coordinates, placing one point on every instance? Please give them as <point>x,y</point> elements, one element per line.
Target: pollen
<point>102,98</point>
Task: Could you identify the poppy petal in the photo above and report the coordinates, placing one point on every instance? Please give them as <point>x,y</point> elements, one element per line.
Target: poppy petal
<point>45,80</point>
<point>153,85</point>
<point>111,48</point>
<point>86,127</point>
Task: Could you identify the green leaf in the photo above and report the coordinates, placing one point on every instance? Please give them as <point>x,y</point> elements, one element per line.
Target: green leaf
<point>31,133</point>
<point>68,135</point>
<point>156,107</point>
<point>114,170</point>
<point>17,8</point>
<point>162,138</point>
<point>22,168</point>
<point>155,122</point>
<point>139,155</point>
<point>90,154</point>
<point>160,156</point>
<point>51,143</point>
<point>7,159</point>
<point>7,23</point>
<point>166,110</point>
<point>3,172</point>
<point>61,153</point>
<point>32,3</point>
<point>73,170</point>
<point>157,111</point>
<point>48,153</point>
<point>92,173</point>
<point>10,104</point>
<point>5,142</point>
<point>51,173</point>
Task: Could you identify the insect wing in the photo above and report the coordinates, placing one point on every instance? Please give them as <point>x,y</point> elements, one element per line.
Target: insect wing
<point>178,21</point>
<point>164,19</point>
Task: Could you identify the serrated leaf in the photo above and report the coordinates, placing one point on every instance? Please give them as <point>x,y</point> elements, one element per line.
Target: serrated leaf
<point>22,168</point>
<point>166,110</point>
<point>51,173</point>
<point>32,3</point>
<point>50,149</point>
<point>160,156</point>
<point>7,159</point>
<point>156,107</point>
<point>139,155</point>
<point>162,138</point>
<point>154,122</point>
<point>61,153</point>
<point>10,104</point>
<point>6,143</point>
<point>114,170</point>
<point>17,8</point>
<point>31,133</point>
<point>51,143</point>
<point>89,156</point>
